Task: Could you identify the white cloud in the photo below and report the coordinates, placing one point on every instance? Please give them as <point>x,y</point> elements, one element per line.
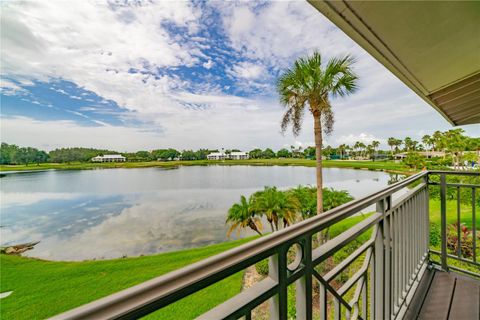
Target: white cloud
<point>248,70</point>
<point>208,64</point>
<point>366,138</point>
<point>95,47</point>
<point>9,88</point>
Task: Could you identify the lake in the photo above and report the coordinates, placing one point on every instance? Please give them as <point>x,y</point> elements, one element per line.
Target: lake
<point>110,213</point>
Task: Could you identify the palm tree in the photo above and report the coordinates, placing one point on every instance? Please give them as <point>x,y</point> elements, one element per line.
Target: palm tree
<point>363,148</point>
<point>375,145</point>
<point>341,149</point>
<point>427,141</point>
<point>407,143</point>
<point>241,215</point>
<point>275,205</point>
<point>310,84</point>
<point>306,197</point>
<point>437,138</point>
<point>398,143</point>
<point>357,146</point>
<point>391,143</point>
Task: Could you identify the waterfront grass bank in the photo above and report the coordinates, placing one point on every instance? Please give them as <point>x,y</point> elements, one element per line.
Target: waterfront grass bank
<point>389,166</point>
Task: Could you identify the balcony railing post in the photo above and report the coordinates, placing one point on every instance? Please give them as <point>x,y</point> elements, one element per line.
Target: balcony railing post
<point>277,266</point>
<point>304,284</point>
<point>380,278</point>
<point>386,206</point>
<point>443,217</point>
<point>427,214</point>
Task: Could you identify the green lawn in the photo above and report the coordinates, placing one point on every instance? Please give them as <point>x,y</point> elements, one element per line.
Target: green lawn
<point>465,213</point>
<point>370,165</point>
<point>44,288</point>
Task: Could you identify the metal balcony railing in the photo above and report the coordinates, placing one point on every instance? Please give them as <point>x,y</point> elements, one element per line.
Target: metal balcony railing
<point>455,190</point>
<point>390,264</point>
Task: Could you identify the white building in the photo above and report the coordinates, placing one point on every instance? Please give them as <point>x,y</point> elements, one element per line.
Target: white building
<point>217,156</point>
<point>109,158</point>
<point>225,156</point>
<point>239,155</point>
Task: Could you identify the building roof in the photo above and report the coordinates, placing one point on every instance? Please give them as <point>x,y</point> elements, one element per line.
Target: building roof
<point>432,46</point>
<point>241,153</point>
<point>216,154</point>
<point>113,156</point>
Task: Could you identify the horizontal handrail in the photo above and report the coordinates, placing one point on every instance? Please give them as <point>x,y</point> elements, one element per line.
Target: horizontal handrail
<point>456,173</point>
<point>156,293</point>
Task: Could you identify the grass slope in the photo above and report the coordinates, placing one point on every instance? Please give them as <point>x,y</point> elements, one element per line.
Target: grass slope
<point>44,288</point>
<point>383,165</point>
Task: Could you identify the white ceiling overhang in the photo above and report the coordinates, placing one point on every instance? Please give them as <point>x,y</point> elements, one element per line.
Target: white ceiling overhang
<point>432,46</point>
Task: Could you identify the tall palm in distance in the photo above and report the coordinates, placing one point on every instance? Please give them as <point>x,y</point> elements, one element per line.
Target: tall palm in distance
<point>427,142</point>
<point>310,84</point>
<point>375,145</point>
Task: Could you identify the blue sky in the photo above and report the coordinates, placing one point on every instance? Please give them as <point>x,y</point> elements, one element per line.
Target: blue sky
<point>144,75</point>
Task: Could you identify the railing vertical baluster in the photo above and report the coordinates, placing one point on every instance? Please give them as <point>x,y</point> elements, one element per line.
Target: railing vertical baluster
<point>412,239</point>
<point>443,214</point>
<point>418,205</point>
<point>277,265</point>
<point>402,249</point>
<point>323,302</point>
<point>393,226</point>
<point>273,273</point>
<point>405,247</point>
<point>387,205</point>
<point>364,297</point>
<point>379,298</point>
<point>459,241</point>
<point>304,284</point>
<point>337,310</point>
<point>408,241</point>
<point>372,280</point>
<point>474,226</point>
<point>427,215</point>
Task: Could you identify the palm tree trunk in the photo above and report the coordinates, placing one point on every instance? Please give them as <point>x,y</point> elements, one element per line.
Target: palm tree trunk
<point>317,125</point>
<point>271,225</point>
<point>253,226</point>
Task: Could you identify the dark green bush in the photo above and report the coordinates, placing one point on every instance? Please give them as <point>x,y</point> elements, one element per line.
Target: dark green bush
<point>262,267</point>
<point>435,237</point>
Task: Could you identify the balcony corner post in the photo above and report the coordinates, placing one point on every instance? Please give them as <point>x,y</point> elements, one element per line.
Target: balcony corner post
<point>443,217</point>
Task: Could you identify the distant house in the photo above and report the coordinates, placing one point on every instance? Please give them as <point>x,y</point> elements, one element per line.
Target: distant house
<point>239,155</point>
<point>224,156</point>
<point>217,156</point>
<point>109,158</point>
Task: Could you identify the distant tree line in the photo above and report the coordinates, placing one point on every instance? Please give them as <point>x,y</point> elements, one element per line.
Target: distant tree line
<point>12,154</point>
<point>453,143</point>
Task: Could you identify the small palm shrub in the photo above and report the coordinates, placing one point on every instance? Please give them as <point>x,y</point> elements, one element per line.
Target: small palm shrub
<point>466,239</point>
<point>262,267</point>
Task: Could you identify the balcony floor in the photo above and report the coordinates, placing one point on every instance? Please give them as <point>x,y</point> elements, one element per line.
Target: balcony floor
<point>446,295</point>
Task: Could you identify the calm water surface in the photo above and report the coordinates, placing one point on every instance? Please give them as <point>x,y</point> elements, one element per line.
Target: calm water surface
<point>110,213</point>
